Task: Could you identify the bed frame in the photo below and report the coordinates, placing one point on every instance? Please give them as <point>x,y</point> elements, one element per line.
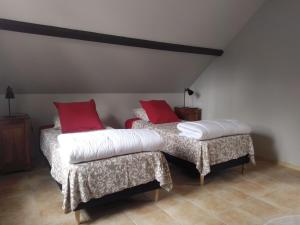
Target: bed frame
<point>150,186</point>
<point>191,167</point>
<point>153,185</point>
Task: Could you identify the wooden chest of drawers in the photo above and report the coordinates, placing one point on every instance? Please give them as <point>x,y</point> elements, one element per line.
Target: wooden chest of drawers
<point>15,143</point>
<point>189,114</point>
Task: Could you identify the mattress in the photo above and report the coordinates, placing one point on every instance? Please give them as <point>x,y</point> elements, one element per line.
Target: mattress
<point>85,181</point>
<point>202,153</point>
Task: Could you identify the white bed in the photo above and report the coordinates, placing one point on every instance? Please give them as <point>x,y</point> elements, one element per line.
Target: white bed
<point>205,153</point>
<point>84,181</point>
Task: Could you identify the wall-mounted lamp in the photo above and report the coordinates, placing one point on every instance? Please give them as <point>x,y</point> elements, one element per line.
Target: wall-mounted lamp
<point>9,95</point>
<point>189,91</point>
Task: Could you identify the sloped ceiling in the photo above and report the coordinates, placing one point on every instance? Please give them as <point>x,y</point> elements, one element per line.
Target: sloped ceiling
<point>41,64</point>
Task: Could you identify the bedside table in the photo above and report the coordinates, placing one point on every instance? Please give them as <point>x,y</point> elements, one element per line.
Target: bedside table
<point>189,114</point>
<point>15,143</point>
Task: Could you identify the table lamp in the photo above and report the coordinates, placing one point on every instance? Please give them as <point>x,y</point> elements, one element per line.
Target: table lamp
<point>9,95</point>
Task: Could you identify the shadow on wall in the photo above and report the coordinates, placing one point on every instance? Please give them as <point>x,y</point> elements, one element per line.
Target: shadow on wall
<point>197,95</point>
<point>112,121</point>
<point>264,146</point>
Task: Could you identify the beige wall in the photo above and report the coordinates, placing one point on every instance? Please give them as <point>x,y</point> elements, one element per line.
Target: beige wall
<point>258,81</point>
<point>113,109</point>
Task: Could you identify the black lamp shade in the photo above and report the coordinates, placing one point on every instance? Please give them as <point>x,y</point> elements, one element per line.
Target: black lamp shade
<point>189,91</point>
<point>9,93</point>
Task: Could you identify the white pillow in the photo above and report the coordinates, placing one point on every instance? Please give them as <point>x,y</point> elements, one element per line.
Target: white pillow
<point>141,114</point>
<point>56,121</point>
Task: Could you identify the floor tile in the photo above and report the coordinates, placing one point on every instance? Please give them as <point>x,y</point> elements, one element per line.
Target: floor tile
<point>186,213</point>
<point>266,191</point>
<point>237,217</point>
<point>288,198</point>
<point>261,210</point>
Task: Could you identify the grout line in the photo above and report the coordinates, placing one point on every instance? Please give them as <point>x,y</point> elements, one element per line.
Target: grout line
<point>130,218</point>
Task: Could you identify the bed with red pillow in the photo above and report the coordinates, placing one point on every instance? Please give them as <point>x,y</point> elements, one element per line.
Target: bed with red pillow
<point>98,181</point>
<point>204,156</point>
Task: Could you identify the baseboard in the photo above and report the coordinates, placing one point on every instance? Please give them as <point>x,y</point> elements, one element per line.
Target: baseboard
<point>289,165</point>
<point>280,163</point>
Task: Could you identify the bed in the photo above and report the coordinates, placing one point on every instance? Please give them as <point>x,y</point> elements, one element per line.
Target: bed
<point>99,181</point>
<point>205,156</point>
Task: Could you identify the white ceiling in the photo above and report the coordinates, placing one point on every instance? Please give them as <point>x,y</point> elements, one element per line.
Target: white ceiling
<point>39,64</point>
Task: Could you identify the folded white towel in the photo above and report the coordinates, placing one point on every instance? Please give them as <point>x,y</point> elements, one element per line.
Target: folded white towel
<point>209,129</point>
<point>93,145</point>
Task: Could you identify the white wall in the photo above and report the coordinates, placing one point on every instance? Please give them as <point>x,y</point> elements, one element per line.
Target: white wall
<point>258,81</point>
<point>42,64</point>
<point>208,23</point>
<point>113,109</point>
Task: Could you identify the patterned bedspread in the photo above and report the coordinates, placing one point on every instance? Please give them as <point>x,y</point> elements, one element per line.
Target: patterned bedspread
<point>84,181</point>
<point>202,153</point>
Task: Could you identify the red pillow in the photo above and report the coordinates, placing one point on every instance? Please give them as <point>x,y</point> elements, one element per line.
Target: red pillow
<point>159,111</point>
<point>78,116</point>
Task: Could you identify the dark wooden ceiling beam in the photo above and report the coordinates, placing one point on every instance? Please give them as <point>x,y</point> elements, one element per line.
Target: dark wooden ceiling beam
<point>39,29</point>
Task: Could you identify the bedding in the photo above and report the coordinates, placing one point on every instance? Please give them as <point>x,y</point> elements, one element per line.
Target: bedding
<point>56,122</point>
<point>159,111</point>
<point>78,116</point>
<point>85,181</point>
<point>129,122</point>
<point>210,129</point>
<point>202,153</point>
<point>93,145</point>
<point>141,114</point>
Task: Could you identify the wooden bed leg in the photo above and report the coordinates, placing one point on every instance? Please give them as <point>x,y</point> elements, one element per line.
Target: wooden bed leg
<point>201,180</point>
<point>243,168</point>
<point>77,216</point>
<point>156,195</point>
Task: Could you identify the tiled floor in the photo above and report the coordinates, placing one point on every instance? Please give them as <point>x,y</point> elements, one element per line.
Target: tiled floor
<point>264,192</point>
